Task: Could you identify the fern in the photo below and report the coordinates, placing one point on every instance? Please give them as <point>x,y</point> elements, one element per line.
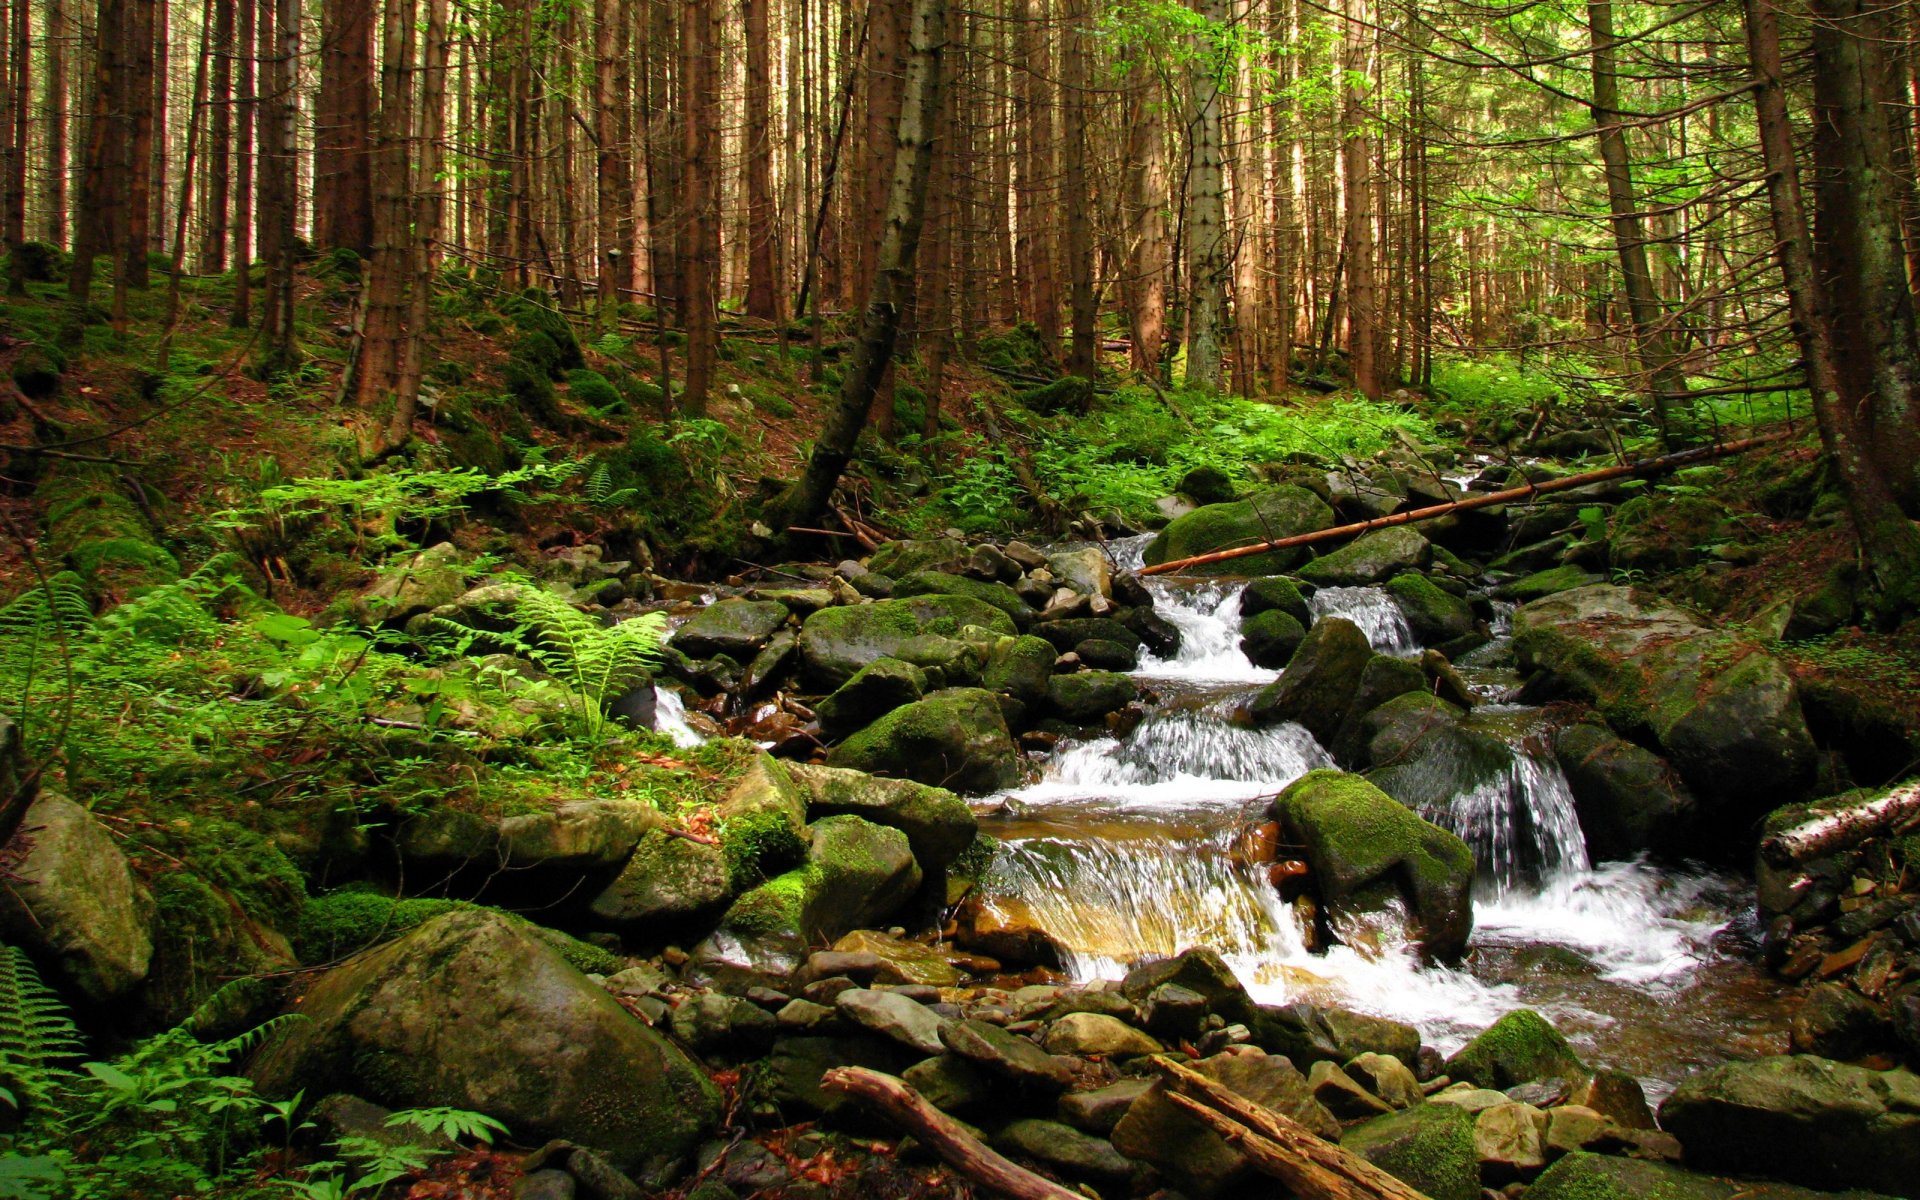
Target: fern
<point>40,631</point>
<point>596,661</point>
<point>37,1037</point>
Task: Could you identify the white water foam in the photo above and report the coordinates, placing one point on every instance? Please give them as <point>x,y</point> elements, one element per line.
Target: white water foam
<point>1208,618</point>
<point>1374,611</point>
<point>670,718</point>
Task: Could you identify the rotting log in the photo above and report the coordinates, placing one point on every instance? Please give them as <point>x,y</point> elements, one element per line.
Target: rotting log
<point>896,1100</point>
<point>1277,1145</point>
<point>1651,466</point>
<point>1842,828</point>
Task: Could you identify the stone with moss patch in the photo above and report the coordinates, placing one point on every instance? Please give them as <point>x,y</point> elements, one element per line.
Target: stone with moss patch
<point>938,824</point>
<point>1269,638</point>
<point>1275,513</point>
<point>1587,1176</point>
<point>72,900</point>
<point>1433,614</point>
<point>736,628</point>
<point>1429,1147</point>
<point>836,642</point>
<point>1549,582</point>
<point>1277,592</point>
<point>669,883</point>
<point>1087,696</point>
<point>1372,558</point>
<point>1365,850</point>
<point>956,738</point>
<point>941,583</point>
<point>1520,1047</point>
<point>1318,687</point>
<point>875,690</point>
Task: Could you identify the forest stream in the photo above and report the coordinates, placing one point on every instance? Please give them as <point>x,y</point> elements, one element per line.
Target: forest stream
<point>1127,848</point>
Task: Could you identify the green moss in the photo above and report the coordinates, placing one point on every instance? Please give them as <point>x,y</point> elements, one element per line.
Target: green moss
<point>940,583</point>
<point>37,371</point>
<point>1277,512</point>
<point>1518,1048</point>
<point>1549,582</point>
<point>591,390</point>
<point>754,841</point>
<point>1275,593</point>
<point>343,922</point>
<point>532,313</point>
<point>778,905</point>
<point>1429,1147</point>
<point>239,861</point>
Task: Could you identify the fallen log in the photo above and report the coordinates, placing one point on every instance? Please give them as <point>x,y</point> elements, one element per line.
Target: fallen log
<point>896,1100</point>
<point>1666,462</point>
<point>1842,828</point>
<point>1277,1145</point>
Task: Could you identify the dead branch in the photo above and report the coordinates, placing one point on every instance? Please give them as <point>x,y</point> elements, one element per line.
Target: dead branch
<point>1831,831</point>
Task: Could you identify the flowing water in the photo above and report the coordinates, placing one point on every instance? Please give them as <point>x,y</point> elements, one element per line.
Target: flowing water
<point>1129,848</point>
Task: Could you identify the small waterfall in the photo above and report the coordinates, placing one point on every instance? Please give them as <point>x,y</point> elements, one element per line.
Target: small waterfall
<point>1180,758</point>
<point>1208,617</point>
<point>1374,611</point>
<point>670,718</point>
<point>1521,824</point>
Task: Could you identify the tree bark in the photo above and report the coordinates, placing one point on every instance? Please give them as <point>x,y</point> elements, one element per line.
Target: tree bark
<point>429,201</point>
<point>1146,214</point>
<point>1356,153</point>
<point>763,289</point>
<point>280,29</point>
<point>373,379</point>
<point>213,224</point>
<point>1077,198</point>
<point>54,112</point>
<point>19,93</point>
<point>700,202</point>
<point>246,111</point>
<point>101,197</point>
<point>343,149</point>
<point>136,93</point>
<point>613,191</point>
<point>1207,262</point>
<point>803,503</point>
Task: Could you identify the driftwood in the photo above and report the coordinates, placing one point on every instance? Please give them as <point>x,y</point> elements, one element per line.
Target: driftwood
<point>1832,831</point>
<point>1650,466</point>
<point>898,1102</point>
<point>1279,1146</point>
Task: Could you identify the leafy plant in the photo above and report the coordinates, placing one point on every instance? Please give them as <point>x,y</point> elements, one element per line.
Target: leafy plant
<point>37,1037</point>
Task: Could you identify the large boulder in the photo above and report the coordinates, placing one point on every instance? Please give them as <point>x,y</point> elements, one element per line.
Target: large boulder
<point>579,836</point>
<point>1434,614</point>
<point>1269,638</point>
<point>1586,1176</point>
<point>956,738</point>
<point>1724,711</point>
<point>938,824</point>
<point>432,578</point>
<point>1372,558</point>
<point>927,631</point>
<point>1628,798</point>
<point>1086,696</point>
<point>735,628</point>
<point>1317,687</point>
<point>1429,1147</point>
<point>669,883</point>
<point>73,900</point>
<point>1366,853</point>
<point>1520,1047</point>
<point>904,557</point>
<point>472,1011</point>
<point>940,583</point>
<point>1809,1120</point>
<point>874,691</point>
<point>1276,513</point>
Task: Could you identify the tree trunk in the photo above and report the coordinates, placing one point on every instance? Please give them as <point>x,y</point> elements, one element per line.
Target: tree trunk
<point>19,94</point>
<point>429,200</point>
<point>1888,541</point>
<point>612,189</point>
<point>763,286</point>
<point>1658,358</point>
<point>280,29</point>
<point>700,201</point>
<point>803,503</point>
<point>247,109</point>
<point>343,128</point>
<point>101,197</point>
<point>1207,261</point>
<point>1078,198</point>
<point>137,94</point>
<point>1356,154</point>
<point>54,111</point>
<point>185,208</point>
<point>213,226</point>
<point>373,379</point>
<point>1147,237</point>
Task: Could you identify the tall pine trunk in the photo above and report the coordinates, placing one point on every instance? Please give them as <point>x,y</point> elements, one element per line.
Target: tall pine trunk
<point>1206,231</point>
<point>343,128</point>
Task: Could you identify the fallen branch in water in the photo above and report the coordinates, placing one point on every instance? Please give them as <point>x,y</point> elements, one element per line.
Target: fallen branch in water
<point>1648,467</point>
<point>896,1100</point>
<point>1277,1145</point>
<point>1842,828</point>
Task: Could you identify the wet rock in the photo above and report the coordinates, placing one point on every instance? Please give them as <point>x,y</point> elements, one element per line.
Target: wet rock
<point>1509,1141</point>
<point>1615,1095</point>
<point>1430,1148</point>
<point>545,1185</point>
<point>1086,1034</point>
<point>1173,1011</point>
<point>939,583</point>
<point>1388,1078</point>
<point>1317,689</point>
<point>1004,1054</point>
<point>1308,1033</point>
<point>1158,636</point>
<point>1199,970</point>
<point>1520,1047</point>
<point>895,960</point>
<point>73,900</point>
<point>891,1015</point>
<point>950,1083</point>
<point>1341,1095</point>
<point>1066,1149</point>
<point>714,1021</point>
<point>1804,1119</point>
<point>1063,635</point>
<point>735,628</point>
<point>580,836</point>
<point>1107,656</point>
<point>1372,558</point>
<point>1434,615</point>
<point>1366,853</point>
<point>1019,667</point>
<point>1275,594</point>
<point>938,824</point>
<point>991,562</point>
<point>804,1016</point>
<point>1834,1021</point>
<point>907,555</point>
<point>1099,1110</point>
<point>669,880</point>
<point>1207,485</point>
<point>1629,800</point>
<point>1574,1127</point>
<point>1276,513</point>
<point>1269,639</point>
<point>1086,696</point>
<point>927,631</point>
<point>874,691</point>
<point>560,1057</point>
<point>1084,569</point>
<point>955,738</point>
<point>792,1071</point>
<point>1582,1176</point>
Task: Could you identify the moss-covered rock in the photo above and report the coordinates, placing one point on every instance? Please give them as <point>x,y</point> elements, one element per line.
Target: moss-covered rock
<point>593,391</point>
<point>472,1011</point>
<point>36,370</point>
<point>1275,592</point>
<point>1275,513</point>
<point>1426,754</point>
<point>1086,696</point>
<point>1520,1047</point>
<point>1269,638</point>
<point>100,533</point>
<point>938,824</point>
<point>762,822</point>
<point>1207,485</point>
<point>1549,582</point>
<point>1019,667</point>
<point>420,583</point>
<point>1429,1147</point>
<point>941,583</point>
<point>668,884</point>
<point>1629,800</point>
<point>1645,534</point>
<point>72,900</point>
<point>923,630</point>
<point>533,313</point>
<point>874,691</point>
<point>1372,558</point>
<point>1434,615</point>
<point>955,738</point>
<point>735,628</point>
<point>1586,1176</point>
<point>1365,851</point>
<point>905,557</point>
<point>1318,687</point>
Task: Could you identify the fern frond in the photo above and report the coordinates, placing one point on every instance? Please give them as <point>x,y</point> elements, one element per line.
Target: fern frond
<point>173,612</point>
<point>37,1036</point>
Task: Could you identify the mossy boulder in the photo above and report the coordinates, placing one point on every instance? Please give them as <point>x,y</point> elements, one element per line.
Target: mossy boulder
<point>904,557</point>
<point>941,583</point>
<point>1808,1120</point>
<point>762,822</point>
<point>1549,582</point>
<point>1586,1176</point>
<point>73,901</point>
<point>669,883</point>
<point>1371,558</point>
<point>1645,534</point>
<point>1276,592</point>
<point>923,630</point>
<point>874,691</point>
<point>1426,753</point>
<point>1365,850</point>
<point>1434,615</point>
<point>1520,1047</point>
<point>1019,667</point>
<point>421,583</point>
<point>100,533</point>
<point>575,837</point>
<point>1085,696</point>
<point>472,1011</point>
<point>593,391</point>
<point>1318,687</point>
<point>1429,1147</point>
<point>534,314</point>
<point>938,824</point>
<point>36,370</point>
<point>736,628</point>
<point>1724,711</point>
<point>1269,638</point>
<point>1275,513</point>
<point>955,738</point>
<point>1066,634</point>
<point>1629,800</point>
